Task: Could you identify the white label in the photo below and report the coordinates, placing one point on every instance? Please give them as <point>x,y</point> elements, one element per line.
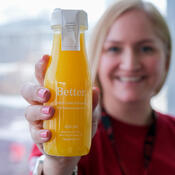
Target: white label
<point>70,39</point>
<point>62,92</point>
<point>71,102</point>
<point>70,92</point>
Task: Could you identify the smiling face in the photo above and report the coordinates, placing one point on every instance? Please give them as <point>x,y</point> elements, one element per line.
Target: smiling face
<point>133,62</point>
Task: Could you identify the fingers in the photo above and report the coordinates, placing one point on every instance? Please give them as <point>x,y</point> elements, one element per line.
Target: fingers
<point>35,114</point>
<point>40,135</point>
<point>38,112</point>
<point>40,68</point>
<point>95,97</point>
<point>35,94</point>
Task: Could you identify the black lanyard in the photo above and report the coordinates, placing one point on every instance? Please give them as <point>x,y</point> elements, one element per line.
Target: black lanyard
<point>148,143</point>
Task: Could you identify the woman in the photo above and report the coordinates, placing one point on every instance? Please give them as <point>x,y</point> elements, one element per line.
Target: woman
<point>130,56</point>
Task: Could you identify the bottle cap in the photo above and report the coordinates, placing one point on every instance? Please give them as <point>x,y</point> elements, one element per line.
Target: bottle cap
<point>63,17</point>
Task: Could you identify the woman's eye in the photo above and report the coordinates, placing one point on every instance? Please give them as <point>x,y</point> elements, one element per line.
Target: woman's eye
<point>147,49</point>
<point>114,49</point>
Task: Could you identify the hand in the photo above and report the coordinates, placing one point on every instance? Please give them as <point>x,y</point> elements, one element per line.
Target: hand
<point>36,95</point>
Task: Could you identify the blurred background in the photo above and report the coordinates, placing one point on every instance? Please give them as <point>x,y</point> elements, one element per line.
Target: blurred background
<point>25,35</point>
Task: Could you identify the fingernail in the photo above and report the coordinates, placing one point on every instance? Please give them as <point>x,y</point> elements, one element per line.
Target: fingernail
<point>42,93</point>
<point>44,134</point>
<point>46,110</point>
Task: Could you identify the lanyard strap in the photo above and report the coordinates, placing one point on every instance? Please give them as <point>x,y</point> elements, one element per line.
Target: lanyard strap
<point>148,143</point>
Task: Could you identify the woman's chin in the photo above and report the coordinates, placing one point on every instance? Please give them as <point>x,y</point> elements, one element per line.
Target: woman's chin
<point>129,98</point>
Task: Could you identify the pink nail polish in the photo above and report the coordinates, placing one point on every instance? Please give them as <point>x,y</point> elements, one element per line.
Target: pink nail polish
<point>46,110</point>
<point>42,93</point>
<point>44,134</point>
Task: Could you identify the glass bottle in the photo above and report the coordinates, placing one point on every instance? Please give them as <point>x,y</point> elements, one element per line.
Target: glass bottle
<point>68,78</point>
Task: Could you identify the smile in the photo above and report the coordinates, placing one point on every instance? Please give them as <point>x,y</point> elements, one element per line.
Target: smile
<point>130,79</point>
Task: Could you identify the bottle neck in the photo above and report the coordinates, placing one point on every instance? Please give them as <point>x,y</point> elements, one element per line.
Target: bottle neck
<point>72,39</point>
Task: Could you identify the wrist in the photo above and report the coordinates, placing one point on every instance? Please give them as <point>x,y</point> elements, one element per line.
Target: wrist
<point>48,165</point>
<point>59,165</point>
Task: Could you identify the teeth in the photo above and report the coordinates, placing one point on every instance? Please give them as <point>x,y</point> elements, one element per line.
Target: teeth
<point>130,79</point>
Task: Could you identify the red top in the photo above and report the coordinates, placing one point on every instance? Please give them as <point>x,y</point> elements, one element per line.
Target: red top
<point>102,161</point>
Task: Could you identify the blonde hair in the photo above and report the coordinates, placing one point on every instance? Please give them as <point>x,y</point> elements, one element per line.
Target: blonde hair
<point>111,14</point>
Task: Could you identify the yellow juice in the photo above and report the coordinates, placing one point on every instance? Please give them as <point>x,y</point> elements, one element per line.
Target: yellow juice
<point>68,79</point>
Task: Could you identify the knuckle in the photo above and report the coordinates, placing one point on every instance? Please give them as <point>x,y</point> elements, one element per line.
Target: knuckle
<point>32,113</point>
<point>27,91</point>
<point>23,89</point>
<point>26,112</point>
<point>35,135</point>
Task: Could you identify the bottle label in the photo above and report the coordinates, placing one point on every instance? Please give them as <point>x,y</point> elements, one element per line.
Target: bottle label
<point>70,98</point>
<point>72,107</point>
<point>70,38</point>
<point>70,92</point>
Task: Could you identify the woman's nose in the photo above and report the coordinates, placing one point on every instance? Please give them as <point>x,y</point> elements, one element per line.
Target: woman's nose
<point>130,61</point>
